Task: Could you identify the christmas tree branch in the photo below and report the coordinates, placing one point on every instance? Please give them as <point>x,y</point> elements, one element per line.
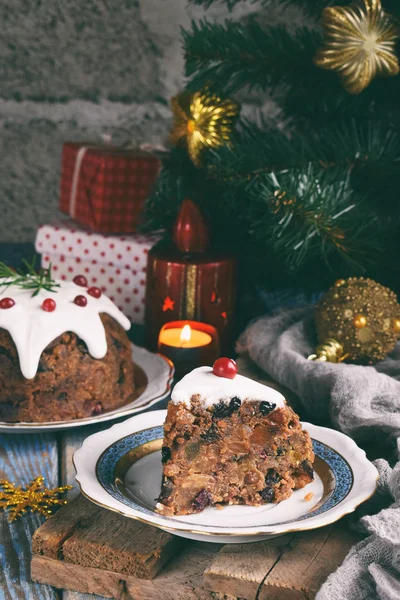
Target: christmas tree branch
<point>310,199</point>
<point>306,217</point>
<point>239,55</point>
<point>352,147</point>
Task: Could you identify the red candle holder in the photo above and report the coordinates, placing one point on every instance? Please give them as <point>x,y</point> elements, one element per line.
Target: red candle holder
<point>188,344</point>
<point>188,282</point>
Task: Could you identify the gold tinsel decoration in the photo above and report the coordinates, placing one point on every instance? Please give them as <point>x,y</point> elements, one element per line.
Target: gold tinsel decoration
<point>202,120</point>
<point>36,497</point>
<point>357,320</point>
<point>359,43</point>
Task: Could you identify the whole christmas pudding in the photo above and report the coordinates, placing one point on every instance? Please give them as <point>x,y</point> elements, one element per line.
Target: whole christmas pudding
<point>64,351</point>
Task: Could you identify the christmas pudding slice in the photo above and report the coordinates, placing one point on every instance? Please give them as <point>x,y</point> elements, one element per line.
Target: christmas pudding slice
<point>64,352</point>
<point>230,440</point>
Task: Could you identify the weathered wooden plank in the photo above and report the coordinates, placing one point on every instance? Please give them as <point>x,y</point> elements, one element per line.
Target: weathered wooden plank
<point>240,569</point>
<point>22,458</point>
<point>70,441</point>
<point>90,536</point>
<point>290,567</point>
<point>307,561</point>
<point>48,539</point>
<point>181,579</point>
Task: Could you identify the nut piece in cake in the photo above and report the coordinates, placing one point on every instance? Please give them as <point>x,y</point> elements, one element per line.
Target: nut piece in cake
<point>230,440</point>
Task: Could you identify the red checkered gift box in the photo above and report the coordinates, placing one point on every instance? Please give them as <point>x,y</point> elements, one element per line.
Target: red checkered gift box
<point>116,264</point>
<point>105,187</point>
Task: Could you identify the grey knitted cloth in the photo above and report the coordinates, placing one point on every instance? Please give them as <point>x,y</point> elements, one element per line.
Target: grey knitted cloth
<point>364,403</point>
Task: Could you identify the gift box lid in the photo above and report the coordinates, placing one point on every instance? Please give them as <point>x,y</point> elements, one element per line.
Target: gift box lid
<point>66,239</point>
<point>108,150</point>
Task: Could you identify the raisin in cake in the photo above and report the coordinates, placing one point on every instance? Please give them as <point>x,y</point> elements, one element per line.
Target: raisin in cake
<point>230,441</point>
<point>64,353</point>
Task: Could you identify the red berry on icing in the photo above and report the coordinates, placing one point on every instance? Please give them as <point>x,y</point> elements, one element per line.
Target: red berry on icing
<point>80,280</point>
<point>49,305</point>
<point>80,300</point>
<point>6,303</point>
<point>94,291</point>
<point>225,367</point>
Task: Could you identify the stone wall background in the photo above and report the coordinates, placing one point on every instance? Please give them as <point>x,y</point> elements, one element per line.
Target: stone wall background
<point>77,69</point>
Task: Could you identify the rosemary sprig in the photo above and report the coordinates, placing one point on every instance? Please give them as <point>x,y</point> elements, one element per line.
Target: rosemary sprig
<point>31,280</point>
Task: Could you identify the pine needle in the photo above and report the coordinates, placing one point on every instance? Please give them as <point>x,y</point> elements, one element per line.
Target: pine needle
<point>31,280</point>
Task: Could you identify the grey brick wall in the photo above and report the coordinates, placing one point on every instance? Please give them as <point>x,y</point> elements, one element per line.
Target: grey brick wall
<point>76,69</point>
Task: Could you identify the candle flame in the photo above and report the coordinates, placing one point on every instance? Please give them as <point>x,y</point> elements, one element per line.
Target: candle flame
<point>186,334</point>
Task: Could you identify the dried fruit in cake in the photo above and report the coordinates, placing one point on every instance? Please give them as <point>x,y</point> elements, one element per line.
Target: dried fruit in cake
<point>230,441</point>
<point>64,353</point>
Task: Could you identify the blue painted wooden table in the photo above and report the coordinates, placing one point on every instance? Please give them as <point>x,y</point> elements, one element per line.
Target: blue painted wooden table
<point>22,458</point>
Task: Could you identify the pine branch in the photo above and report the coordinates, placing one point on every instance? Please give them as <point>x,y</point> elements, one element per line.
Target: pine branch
<point>298,219</point>
<point>31,280</point>
<point>314,212</point>
<point>337,178</point>
<point>369,151</point>
<point>178,179</point>
<point>233,56</point>
<point>293,204</point>
<point>237,55</point>
<point>319,99</point>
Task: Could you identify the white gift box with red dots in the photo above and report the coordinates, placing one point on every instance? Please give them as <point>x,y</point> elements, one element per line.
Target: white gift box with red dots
<point>115,264</point>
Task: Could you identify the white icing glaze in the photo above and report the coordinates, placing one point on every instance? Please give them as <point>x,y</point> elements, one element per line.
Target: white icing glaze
<point>32,328</point>
<point>213,389</point>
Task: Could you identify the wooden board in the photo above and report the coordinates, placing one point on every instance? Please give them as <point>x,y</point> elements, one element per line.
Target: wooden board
<point>69,443</point>
<point>89,536</point>
<point>293,566</point>
<point>78,549</point>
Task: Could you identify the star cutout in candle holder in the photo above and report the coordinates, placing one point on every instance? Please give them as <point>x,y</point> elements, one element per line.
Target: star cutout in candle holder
<point>168,304</point>
<point>36,497</point>
<point>359,43</point>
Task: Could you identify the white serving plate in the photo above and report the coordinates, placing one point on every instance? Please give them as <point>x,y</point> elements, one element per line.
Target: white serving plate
<point>120,469</point>
<point>153,377</point>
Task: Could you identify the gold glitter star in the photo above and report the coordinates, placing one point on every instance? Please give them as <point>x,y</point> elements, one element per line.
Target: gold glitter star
<point>202,120</point>
<point>359,43</point>
<point>35,496</point>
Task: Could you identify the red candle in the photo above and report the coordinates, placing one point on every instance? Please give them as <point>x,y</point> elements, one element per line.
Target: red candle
<point>189,344</point>
<point>188,280</point>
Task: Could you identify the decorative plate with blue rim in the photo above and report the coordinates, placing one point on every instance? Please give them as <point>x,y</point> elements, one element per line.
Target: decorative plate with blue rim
<point>120,469</point>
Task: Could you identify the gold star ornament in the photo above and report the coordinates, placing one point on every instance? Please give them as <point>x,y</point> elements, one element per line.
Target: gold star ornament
<point>202,120</point>
<point>36,497</point>
<point>359,43</point>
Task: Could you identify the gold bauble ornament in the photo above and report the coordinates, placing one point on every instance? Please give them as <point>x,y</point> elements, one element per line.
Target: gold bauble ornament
<point>340,282</point>
<point>202,120</point>
<point>356,321</point>
<point>360,321</point>
<point>359,43</point>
